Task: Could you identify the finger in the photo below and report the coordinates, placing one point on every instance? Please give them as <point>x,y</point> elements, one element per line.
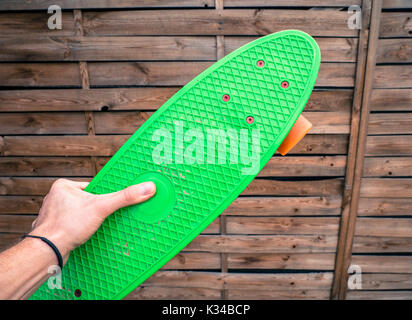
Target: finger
<point>108,203</point>
<point>79,184</point>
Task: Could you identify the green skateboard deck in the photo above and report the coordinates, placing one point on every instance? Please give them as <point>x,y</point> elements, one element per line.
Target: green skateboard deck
<point>253,96</point>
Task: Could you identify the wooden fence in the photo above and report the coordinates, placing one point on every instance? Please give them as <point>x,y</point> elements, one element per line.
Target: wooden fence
<point>70,98</point>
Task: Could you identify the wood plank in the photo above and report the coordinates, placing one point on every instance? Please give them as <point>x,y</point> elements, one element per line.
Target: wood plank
<point>194,260</point>
<point>107,145</point>
<point>102,4</point>
<point>279,295</point>
<point>388,188</point>
<point>388,167</point>
<point>304,166</point>
<point>7,240</point>
<point>324,187</point>
<point>333,49</point>
<point>133,99</point>
<point>43,123</point>
<point>295,261</point>
<point>389,145</point>
<point>46,166</point>
<point>34,23</point>
<point>263,243</point>
<point>396,24</point>
<point>396,4</point>
<point>165,293</point>
<point>386,281</point>
<point>240,281</point>
<point>369,244</point>
<point>385,207</point>
<point>55,48</point>
<point>383,264</point>
<point>393,76</point>
<point>179,73</point>
<point>128,122</point>
<point>20,204</point>
<point>16,223</point>
<point>216,22</point>
<point>391,100</point>
<point>384,227</point>
<point>40,186</point>
<point>394,51</point>
<point>390,123</point>
<point>299,206</point>
<point>290,3</point>
<point>379,295</point>
<point>282,225</point>
<point>39,74</point>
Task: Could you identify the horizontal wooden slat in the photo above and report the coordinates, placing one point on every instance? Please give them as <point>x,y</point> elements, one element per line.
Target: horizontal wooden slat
<point>13,24</point>
<point>255,206</point>
<point>390,123</point>
<point>383,264</point>
<point>386,281</point>
<point>333,49</point>
<point>216,22</point>
<point>240,281</point>
<point>393,76</point>
<point>290,3</point>
<point>43,123</point>
<point>395,24</point>
<point>20,204</point>
<point>101,4</point>
<point>325,187</point>
<point>389,145</point>
<point>133,99</point>
<point>55,48</point>
<point>328,122</point>
<point>277,225</point>
<point>387,166</point>
<point>164,293</point>
<point>278,295</point>
<point>384,206</point>
<point>369,244</point>
<point>395,4</point>
<point>15,224</point>
<point>194,260</point>
<point>389,188</point>
<point>263,243</point>
<point>378,295</point>
<point>107,145</point>
<point>46,166</point>
<point>394,50</point>
<point>302,261</point>
<point>391,100</point>
<point>39,74</point>
<point>7,240</point>
<point>179,73</point>
<point>384,227</point>
<point>40,186</point>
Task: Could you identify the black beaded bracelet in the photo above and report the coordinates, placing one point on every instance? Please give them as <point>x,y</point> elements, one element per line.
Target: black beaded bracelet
<point>51,244</point>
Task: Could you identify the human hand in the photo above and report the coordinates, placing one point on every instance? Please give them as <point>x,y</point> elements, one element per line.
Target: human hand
<point>69,216</point>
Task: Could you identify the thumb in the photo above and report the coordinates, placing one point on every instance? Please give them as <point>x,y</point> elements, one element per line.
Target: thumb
<point>109,203</point>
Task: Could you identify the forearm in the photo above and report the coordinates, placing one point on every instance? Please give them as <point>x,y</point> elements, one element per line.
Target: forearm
<point>24,267</point>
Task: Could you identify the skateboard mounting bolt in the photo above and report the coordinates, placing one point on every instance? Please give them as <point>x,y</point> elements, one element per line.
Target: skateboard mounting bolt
<point>284,84</point>
<point>260,63</point>
<point>77,293</point>
<point>226,98</point>
<point>250,120</point>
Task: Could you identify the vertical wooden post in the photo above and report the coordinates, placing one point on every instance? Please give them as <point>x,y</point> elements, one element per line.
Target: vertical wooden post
<point>84,75</point>
<point>371,11</point>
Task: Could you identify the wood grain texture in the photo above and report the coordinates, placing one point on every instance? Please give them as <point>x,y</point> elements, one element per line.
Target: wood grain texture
<point>392,123</point>
<point>388,188</point>
<point>388,167</point>
<point>379,295</point>
<point>396,24</point>
<point>216,22</point>
<point>394,51</point>
<point>385,206</point>
<point>389,145</point>
<point>391,100</point>
<point>393,76</point>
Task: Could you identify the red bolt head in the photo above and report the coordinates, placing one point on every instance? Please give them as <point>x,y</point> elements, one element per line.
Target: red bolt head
<point>226,98</point>
<point>250,120</point>
<point>260,63</point>
<point>284,84</point>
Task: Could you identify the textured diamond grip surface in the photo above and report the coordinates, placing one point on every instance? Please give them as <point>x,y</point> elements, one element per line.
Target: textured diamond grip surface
<point>125,251</point>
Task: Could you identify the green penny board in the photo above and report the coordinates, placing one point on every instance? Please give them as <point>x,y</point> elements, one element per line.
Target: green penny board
<point>136,241</point>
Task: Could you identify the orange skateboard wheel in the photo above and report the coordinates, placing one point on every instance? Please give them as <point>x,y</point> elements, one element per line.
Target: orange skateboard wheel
<point>298,131</point>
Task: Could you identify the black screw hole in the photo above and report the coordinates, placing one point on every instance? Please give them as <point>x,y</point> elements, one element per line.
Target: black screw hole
<point>77,293</point>
<point>294,246</point>
<point>410,32</point>
<point>390,173</point>
<point>206,5</point>
<point>105,108</point>
<point>292,283</point>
